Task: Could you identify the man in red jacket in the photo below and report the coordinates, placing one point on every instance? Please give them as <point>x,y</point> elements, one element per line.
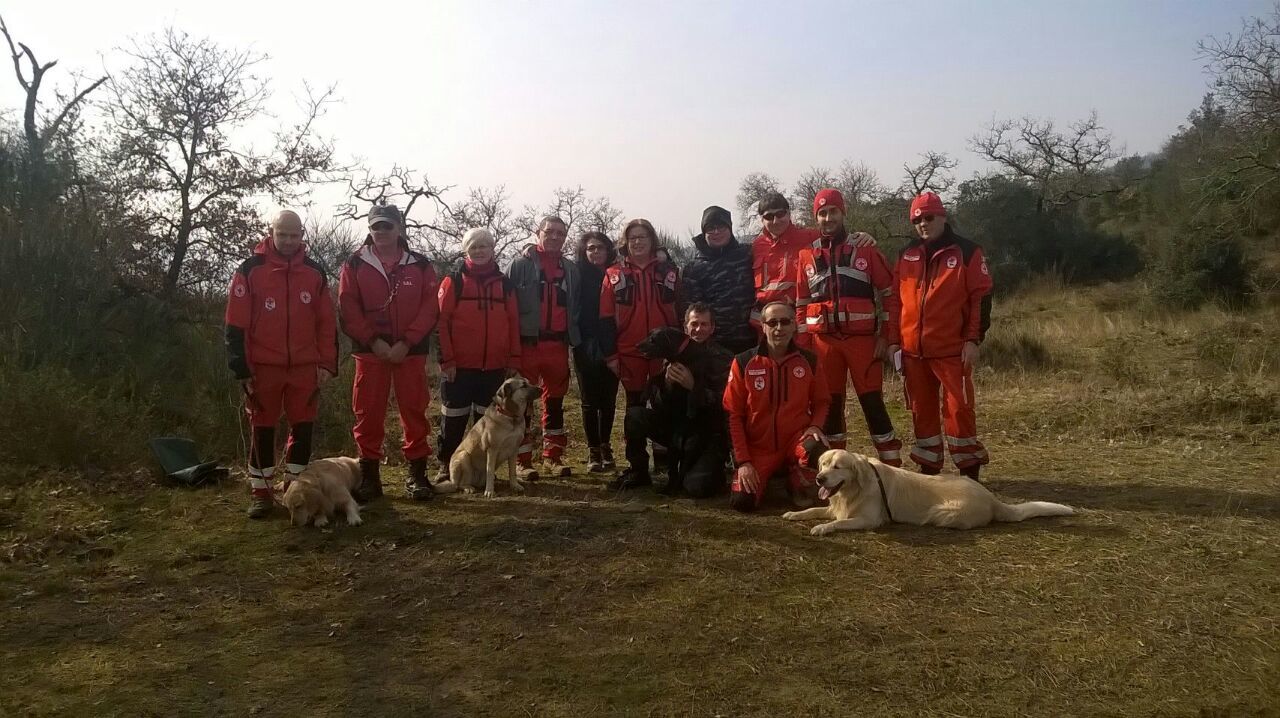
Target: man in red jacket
<point>774,255</point>
<point>281,344</point>
<point>945,288</point>
<point>842,287</point>
<point>387,296</point>
<point>776,400</point>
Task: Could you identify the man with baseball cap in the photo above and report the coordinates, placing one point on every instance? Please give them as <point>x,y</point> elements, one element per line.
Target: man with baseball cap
<point>945,287</point>
<point>842,289</point>
<point>774,254</point>
<point>387,300</point>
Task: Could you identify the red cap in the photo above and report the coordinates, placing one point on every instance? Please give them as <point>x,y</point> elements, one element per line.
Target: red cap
<point>927,203</point>
<point>826,198</point>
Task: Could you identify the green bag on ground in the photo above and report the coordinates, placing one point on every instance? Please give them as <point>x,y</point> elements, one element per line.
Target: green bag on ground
<point>180,461</point>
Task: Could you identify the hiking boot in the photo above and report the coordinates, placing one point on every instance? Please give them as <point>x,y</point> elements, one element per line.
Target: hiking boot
<point>974,472</point>
<point>526,472</point>
<point>416,486</point>
<point>370,487</point>
<point>260,504</point>
<point>631,479</point>
<point>556,467</point>
<point>606,458</point>
<point>596,463</point>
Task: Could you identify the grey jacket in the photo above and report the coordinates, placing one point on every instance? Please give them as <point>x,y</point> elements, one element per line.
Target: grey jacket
<point>526,273</point>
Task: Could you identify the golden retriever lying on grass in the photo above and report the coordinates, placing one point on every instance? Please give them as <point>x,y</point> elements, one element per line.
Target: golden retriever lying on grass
<point>864,493</point>
<point>321,490</point>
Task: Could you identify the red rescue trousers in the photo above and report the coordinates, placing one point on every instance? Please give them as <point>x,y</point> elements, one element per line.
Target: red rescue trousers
<point>854,357</point>
<point>923,380</point>
<point>369,396</point>
<point>799,463</point>
<point>293,391</point>
<point>547,363</point>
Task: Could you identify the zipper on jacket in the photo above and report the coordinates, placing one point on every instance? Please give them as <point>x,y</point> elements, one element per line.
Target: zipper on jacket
<point>924,294</point>
<point>484,311</point>
<point>288,328</point>
<point>777,403</point>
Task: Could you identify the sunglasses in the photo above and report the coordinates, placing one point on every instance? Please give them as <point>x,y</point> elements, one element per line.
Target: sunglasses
<point>778,322</point>
<point>771,216</point>
<point>595,248</point>
<point>923,218</point>
<point>382,226</point>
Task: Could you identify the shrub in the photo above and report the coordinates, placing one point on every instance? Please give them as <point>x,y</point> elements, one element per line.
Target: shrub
<point>1197,265</point>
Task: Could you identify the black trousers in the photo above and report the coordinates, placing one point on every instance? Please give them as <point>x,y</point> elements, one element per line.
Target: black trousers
<point>697,446</point>
<point>598,388</point>
<point>464,398</point>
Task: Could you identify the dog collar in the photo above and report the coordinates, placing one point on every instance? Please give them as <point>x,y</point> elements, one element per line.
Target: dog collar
<point>884,498</point>
<point>500,410</point>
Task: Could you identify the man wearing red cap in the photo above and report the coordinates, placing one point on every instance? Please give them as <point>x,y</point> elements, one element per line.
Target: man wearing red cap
<point>945,288</point>
<point>847,300</point>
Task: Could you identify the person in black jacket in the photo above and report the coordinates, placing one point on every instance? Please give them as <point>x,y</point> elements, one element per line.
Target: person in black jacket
<point>597,385</point>
<point>722,278</point>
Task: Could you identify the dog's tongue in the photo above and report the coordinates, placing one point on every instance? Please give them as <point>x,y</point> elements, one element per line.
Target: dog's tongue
<point>823,492</point>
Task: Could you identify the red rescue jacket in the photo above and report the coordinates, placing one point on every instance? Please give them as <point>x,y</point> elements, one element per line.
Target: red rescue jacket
<point>479,320</point>
<point>945,288</point>
<point>392,306</point>
<point>839,285</point>
<point>280,313</point>
<point>771,403</point>
<point>774,262</point>
<point>634,301</point>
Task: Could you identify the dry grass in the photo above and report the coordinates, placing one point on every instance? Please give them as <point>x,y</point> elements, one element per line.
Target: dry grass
<point>1161,598</point>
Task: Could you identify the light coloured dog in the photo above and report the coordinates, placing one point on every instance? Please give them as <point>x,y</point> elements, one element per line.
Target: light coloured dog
<point>864,493</point>
<point>321,490</point>
<point>492,441</point>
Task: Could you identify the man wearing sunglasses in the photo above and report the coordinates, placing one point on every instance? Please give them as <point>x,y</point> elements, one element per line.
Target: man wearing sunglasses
<point>774,254</point>
<point>387,298</point>
<point>849,306</point>
<point>945,287</point>
<point>776,399</point>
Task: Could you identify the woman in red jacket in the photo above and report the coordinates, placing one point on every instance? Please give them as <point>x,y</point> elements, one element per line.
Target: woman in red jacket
<point>479,339</point>
<point>638,295</point>
<point>387,297</point>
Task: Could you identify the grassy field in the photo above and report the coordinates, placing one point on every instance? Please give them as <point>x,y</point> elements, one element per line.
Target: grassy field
<point>1162,597</point>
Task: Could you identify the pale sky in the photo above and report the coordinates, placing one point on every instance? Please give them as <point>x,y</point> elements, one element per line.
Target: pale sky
<point>664,106</point>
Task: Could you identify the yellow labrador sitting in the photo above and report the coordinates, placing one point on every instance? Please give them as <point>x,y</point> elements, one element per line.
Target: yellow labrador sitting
<point>321,490</point>
<point>492,442</point>
<point>864,493</point>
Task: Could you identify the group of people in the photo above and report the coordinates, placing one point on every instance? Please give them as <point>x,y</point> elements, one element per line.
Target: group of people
<point>784,324</point>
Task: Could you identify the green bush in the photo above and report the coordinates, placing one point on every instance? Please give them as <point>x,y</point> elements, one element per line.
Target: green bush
<point>1197,265</point>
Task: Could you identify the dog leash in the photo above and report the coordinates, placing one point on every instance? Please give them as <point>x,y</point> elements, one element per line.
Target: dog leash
<point>883,496</point>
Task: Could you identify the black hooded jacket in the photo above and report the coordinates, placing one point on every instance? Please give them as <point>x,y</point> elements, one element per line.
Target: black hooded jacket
<point>722,279</point>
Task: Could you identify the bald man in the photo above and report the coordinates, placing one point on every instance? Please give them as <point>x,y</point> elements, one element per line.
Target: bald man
<point>282,343</point>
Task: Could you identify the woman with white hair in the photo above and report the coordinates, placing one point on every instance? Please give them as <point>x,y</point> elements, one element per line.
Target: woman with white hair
<point>479,339</point>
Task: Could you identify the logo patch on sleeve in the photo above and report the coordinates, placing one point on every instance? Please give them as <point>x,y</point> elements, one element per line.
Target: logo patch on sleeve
<point>798,372</point>
<point>305,297</point>
<point>270,303</point>
<point>239,290</point>
<point>860,264</point>
<point>952,262</point>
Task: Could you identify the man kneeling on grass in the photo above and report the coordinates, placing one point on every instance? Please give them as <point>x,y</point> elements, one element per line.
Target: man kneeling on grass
<point>776,400</point>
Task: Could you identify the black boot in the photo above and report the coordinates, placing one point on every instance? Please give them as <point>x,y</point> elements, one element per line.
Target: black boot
<point>606,455</point>
<point>973,472</point>
<point>632,478</point>
<point>596,464</point>
<point>370,487</point>
<point>417,486</point>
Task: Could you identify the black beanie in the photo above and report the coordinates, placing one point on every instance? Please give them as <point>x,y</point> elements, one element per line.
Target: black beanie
<point>714,216</point>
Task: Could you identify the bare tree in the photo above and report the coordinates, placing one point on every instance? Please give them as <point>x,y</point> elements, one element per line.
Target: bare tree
<point>1246,82</point>
<point>39,131</point>
<point>931,174</point>
<point>751,190</point>
<point>1062,167</point>
<point>175,111</point>
<point>581,212</point>
<point>856,181</point>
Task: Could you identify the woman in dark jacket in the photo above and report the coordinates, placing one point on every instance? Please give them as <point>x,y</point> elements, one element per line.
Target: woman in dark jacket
<point>597,385</point>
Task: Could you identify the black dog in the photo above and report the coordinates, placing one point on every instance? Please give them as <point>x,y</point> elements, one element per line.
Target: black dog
<point>690,423</point>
